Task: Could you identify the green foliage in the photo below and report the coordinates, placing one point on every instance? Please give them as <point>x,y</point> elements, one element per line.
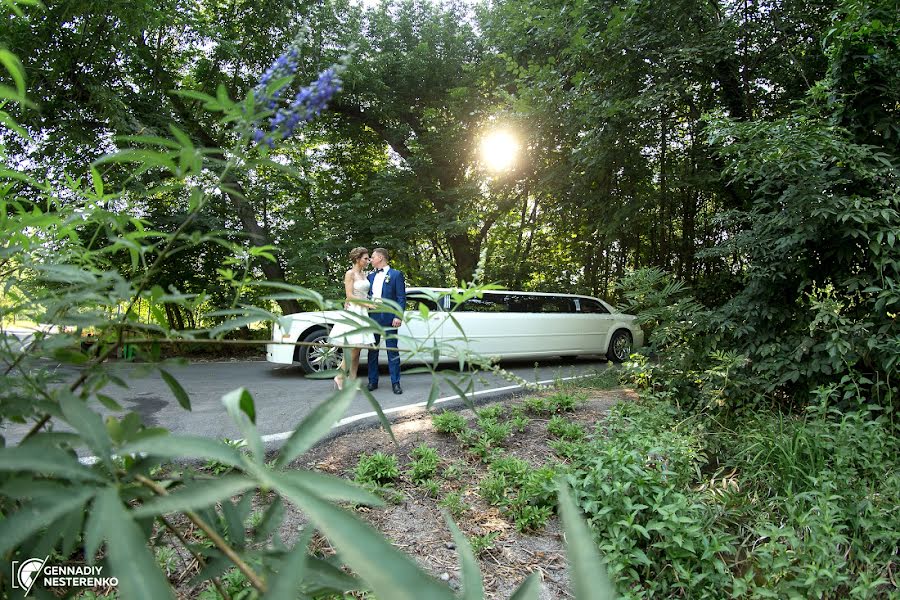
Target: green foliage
<point>519,423</point>
<point>557,403</point>
<point>482,544</point>
<point>425,464</point>
<point>493,413</point>
<point>449,422</point>
<point>515,469</point>
<point>235,584</point>
<point>529,517</point>
<point>495,432</point>
<point>634,486</point>
<point>607,379</point>
<point>455,471</point>
<point>377,469</point>
<point>569,450</point>
<point>166,559</point>
<point>218,468</point>
<point>562,428</point>
<point>431,487</point>
<point>492,488</point>
<point>524,494</point>
<point>831,479</point>
<point>454,503</point>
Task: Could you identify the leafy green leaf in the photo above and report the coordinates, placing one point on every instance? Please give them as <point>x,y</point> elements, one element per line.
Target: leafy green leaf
<point>327,487</point>
<point>129,558</point>
<point>196,495</point>
<point>389,572</point>
<point>109,402</point>
<point>30,518</point>
<point>530,589</point>
<point>45,460</point>
<point>292,570</point>
<point>90,425</point>
<point>315,425</point>
<point>588,572</point>
<point>178,446</point>
<point>473,588</point>
<point>14,67</point>
<point>242,410</point>
<point>180,395</point>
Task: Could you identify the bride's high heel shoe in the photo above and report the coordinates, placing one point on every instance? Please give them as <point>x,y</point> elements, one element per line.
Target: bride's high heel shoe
<point>338,382</point>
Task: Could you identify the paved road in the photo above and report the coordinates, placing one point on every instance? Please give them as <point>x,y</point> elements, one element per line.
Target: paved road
<point>282,394</point>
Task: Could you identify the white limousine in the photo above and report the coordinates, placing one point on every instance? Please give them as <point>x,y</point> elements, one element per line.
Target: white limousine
<point>497,324</point>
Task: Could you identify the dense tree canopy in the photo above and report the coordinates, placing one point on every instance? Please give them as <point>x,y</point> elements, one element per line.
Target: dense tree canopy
<point>750,149</point>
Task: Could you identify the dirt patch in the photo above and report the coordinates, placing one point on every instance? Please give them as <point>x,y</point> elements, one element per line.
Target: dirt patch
<point>413,522</point>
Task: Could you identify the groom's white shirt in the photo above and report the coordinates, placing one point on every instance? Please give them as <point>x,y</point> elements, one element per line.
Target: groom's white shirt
<point>378,282</point>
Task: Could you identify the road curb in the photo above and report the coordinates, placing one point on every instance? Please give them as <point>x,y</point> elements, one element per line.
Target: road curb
<point>370,420</point>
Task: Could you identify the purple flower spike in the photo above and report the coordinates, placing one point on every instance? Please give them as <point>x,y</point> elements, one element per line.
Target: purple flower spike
<point>284,66</point>
<point>309,101</point>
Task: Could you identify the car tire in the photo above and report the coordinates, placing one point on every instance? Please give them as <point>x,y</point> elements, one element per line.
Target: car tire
<point>318,357</point>
<point>620,346</point>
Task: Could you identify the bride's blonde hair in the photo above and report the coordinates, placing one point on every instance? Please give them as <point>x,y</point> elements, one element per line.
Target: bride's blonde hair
<point>356,253</point>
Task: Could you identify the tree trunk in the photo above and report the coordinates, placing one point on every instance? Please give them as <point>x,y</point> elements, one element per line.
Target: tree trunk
<point>258,237</point>
<point>465,256</point>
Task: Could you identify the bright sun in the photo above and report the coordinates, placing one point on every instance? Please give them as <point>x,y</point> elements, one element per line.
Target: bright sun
<point>498,150</point>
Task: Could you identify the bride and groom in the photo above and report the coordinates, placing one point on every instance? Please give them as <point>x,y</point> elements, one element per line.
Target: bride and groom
<point>365,292</point>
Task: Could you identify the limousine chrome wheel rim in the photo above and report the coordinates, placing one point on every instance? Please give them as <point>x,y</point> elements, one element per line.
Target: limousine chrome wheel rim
<point>622,346</point>
<point>323,357</point>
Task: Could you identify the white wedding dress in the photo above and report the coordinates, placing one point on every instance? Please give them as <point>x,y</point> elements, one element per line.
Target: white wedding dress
<point>343,331</point>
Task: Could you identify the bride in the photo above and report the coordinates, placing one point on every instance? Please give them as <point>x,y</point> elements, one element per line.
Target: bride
<point>356,287</point>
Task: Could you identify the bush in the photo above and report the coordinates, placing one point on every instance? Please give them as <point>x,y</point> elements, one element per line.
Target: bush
<point>565,430</point>
<point>643,519</point>
<point>449,422</point>
<point>425,464</point>
<point>492,489</point>
<point>377,469</point>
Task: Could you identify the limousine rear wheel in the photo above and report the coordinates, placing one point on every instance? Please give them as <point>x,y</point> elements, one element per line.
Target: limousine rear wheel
<point>318,357</point>
<point>620,346</point>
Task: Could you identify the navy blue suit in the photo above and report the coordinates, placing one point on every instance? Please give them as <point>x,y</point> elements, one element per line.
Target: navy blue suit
<point>394,289</point>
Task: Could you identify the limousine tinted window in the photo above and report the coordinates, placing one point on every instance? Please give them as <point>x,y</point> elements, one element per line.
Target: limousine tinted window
<point>487,303</point>
<point>555,304</point>
<point>414,302</point>
<point>592,306</point>
<point>519,303</point>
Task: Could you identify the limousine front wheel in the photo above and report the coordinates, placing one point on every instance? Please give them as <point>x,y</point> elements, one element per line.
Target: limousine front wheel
<point>318,357</point>
<point>619,346</point>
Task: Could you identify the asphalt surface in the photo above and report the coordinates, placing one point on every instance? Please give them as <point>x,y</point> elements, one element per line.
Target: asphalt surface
<point>283,395</point>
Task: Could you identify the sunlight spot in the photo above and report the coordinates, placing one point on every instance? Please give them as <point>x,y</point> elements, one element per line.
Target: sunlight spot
<point>499,149</point>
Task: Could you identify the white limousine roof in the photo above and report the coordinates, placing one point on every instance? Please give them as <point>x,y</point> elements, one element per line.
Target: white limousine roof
<point>420,288</point>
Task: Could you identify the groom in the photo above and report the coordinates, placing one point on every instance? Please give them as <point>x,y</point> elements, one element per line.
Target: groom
<point>386,283</point>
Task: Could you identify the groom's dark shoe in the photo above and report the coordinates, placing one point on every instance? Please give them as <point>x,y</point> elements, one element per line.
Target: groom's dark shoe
<point>372,386</point>
<point>397,389</point>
